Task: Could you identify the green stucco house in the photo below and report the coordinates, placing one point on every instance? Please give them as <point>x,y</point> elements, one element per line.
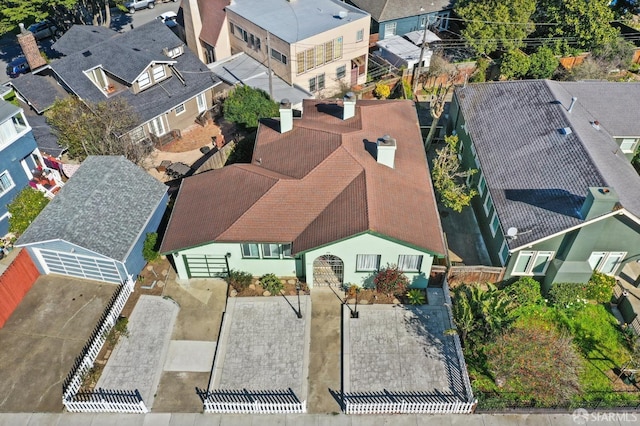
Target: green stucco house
<point>558,197</point>
<point>330,197</point>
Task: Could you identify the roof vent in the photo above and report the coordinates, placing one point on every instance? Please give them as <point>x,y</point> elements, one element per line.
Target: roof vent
<point>86,53</point>
<point>596,124</point>
<point>565,131</point>
<point>342,14</point>
<point>573,102</point>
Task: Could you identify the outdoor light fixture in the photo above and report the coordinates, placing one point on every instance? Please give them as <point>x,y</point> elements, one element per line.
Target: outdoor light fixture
<point>299,313</point>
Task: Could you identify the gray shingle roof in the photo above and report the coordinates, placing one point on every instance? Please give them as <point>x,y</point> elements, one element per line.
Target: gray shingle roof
<point>387,10</point>
<point>41,90</point>
<point>103,207</point>
<point>80,37</point>
<point>7,110</point>
<point>126,56</point>
<point>297,20</point>
<point>536,176</point>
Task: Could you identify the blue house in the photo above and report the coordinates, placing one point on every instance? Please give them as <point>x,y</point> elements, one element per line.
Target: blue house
<point>398,17</point>
<point>96,226</point>
<point>19,157</point>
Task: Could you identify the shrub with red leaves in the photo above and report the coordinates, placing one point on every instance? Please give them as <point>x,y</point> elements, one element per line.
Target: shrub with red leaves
<point>391,280</point>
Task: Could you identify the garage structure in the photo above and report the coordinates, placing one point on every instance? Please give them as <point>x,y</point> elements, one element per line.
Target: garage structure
<point>96,226</point>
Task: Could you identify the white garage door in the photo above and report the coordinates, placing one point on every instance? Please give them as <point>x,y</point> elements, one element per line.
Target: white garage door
<point>80,266</point>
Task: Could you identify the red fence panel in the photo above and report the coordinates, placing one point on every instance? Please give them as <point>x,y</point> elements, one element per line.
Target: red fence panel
<point>15,282</point>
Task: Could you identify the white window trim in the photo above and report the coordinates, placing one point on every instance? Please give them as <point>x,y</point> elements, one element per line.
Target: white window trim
<point>282,250</point>
<point>250,256</point>
<point>360,268</point>
<point>494,218</point>
<point>605,258</point>
<point>417,257</point>
<point>12,184</point>
<point>183,109</point>
<point>160,120</point>
<point>534,255</point>
<point>140,79</point>
<point>486,203</point>
<point>201,100</point>
<point>157,78</point>
<point>480,180</point>
<point>271,255</point>
<point>502,247</point>
<point>360,35</point>
<point>390,29</point>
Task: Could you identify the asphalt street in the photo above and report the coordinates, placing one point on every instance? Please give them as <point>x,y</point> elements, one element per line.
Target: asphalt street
<point>10,49</point>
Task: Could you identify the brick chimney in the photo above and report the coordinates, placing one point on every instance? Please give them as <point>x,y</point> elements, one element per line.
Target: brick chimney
<point>30,48</point>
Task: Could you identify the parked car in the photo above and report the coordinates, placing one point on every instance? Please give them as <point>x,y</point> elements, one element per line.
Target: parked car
<point>44,29</point>
<point>18,66</point>
<point>170,19</point>
<point>132,6</point>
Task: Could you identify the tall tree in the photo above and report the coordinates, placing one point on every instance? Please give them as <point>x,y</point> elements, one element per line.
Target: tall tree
<point>582,24</point>
<point>95,128</point>
<point>493,25</point>
<point>246,106</point>
<point>448,176</point>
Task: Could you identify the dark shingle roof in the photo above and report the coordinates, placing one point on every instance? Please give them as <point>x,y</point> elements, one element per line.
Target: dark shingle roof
<point>387,10</point>
<point>7,110</point>
<point>41,90</point>
<point>103,208</point>
<point>126,56</point>
<point>538,177</point>
<point>81,37</point>
<point>316,184</point>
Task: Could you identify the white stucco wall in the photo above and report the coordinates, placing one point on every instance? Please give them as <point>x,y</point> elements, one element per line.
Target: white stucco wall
<point>347,250</point>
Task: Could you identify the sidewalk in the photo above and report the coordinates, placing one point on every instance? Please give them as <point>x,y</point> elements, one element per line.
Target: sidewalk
<point>162,419</point>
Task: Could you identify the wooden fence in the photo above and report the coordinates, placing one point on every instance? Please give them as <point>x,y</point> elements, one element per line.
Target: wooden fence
<point>474,274</point>
<point>104,401</point>
<point>252,402</point>
<point>15,282</point>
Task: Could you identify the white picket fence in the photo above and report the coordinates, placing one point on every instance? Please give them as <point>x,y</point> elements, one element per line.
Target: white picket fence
<point>98,403</point>
<point>256,407</point>
<point>403,407</point>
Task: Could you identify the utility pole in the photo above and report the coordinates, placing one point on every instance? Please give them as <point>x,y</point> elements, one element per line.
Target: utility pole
<point>269,64</point>
<point>416,71</point>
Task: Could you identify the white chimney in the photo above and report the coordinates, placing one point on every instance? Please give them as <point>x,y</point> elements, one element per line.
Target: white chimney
<point>386,151</point>
<point>286,116</point>
<point>349,106</point>
<point>573,102</point>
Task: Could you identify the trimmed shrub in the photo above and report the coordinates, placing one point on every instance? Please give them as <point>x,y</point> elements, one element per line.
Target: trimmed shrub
<point>600,287</point>
<point>271,283</point>
<point>391,280</point>
<point>239,280</point>
<point>525,291</point>
<point>568,295</point>
<point>149,251</point>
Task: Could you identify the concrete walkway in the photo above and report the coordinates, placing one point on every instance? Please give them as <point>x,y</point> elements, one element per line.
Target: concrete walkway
<point>324,354</point>
<point>169,419</point>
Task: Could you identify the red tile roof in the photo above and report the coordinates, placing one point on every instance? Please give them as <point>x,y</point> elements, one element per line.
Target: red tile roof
<point>316,184</point>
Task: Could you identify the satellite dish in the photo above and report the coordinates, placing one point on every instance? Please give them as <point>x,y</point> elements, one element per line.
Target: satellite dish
<point>512,232</point>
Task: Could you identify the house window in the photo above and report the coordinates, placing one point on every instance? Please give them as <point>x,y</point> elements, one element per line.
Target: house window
<point>488,203</point>
<point>300,64</point>
<point>321,82</point>
<point>286,250</point>
<point>98,78</point>
<point>319,55</point>
<point>532,262</point>
<point>606,262</point>
<point>144,80</point>
<point>628,145</point>
<point>309,59</point>
<point>312,84</point>
<point>278,56</point>
<point>341,71</point>
<point>495,224</point>
<point>482,185</point>
<point>316,83</point>
<point>250,251</point>
<point>271,251</point>
<point>360,35</point>
<point>180,109</point>
<point>258,44</point>
<point>423,21</point>
<point>390,29</point>
<point>367,262</point>
<point>156,126</point>
<point>202,102</point>
<point>504,253</point>
<point>175,52</point>
<point>6,183</point>
<point>328,51</point>
<point>337,48</point>
<point>460,151</point>
<point>158,73</point>
<point>409,263</point>
<point>137,134</point>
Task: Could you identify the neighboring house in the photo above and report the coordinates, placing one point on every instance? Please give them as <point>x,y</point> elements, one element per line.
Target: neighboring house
<point>96,226</point>
<point>558,197</point>
<point>402,52</point>
<point>320,45</point>
<point>206,29</point>
<point>398,17</point>
<point>166,85</point>
<point>243,69</point>
<point>21,163</point>
<point>331,198</point>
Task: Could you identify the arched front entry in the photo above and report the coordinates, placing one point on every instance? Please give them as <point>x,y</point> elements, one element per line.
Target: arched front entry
<point>328,270</point>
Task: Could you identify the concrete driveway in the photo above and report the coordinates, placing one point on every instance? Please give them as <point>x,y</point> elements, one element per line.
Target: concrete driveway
<point>42,338</point>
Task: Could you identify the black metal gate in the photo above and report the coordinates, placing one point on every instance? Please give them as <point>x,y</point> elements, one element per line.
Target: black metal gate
<point>328,270</point>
